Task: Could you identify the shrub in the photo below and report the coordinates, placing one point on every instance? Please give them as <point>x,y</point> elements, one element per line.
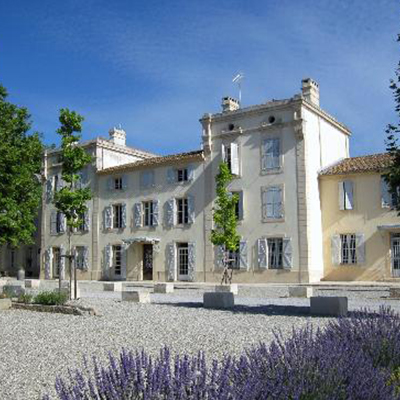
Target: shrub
<point>50,298</point>
<point>352,358</point>
<point>25,298</point>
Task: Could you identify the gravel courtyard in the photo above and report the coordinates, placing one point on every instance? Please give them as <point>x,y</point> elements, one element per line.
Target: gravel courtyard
<point>36,347</point>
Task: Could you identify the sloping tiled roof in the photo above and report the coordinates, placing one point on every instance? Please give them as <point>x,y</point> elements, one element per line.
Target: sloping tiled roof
<point>351,165</point>
<point>197,155</point>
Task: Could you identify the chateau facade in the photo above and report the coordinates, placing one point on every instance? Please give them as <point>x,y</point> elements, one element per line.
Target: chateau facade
<point>150,217</point>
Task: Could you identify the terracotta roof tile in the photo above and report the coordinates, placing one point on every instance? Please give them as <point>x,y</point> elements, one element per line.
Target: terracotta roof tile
<point>197,155</point>
<point>369,163</point>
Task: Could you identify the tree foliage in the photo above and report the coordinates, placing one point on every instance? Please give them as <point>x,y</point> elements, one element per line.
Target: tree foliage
<point>224,214</point>
<point>71,199</point>
<point>20,164</point>
<point>392,147</point>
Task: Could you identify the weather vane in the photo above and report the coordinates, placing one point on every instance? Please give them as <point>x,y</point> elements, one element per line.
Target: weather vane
<point>238,79</point>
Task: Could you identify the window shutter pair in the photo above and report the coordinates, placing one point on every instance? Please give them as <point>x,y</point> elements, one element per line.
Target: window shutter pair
<point>62,262</point>
<point>192,261</point>
<point>47,263</point>
<point>346,195</point>
<point>171,261</point>
<point>272,207</point>
<point>270,154</point>
<point>234,150</point>
<point>108,217</point>
<point>336,249</point>
<point>262,253</point>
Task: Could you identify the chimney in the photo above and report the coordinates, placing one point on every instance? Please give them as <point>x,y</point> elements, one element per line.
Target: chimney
<point>229,104</point>
<point>117,136</point>
<point>310,90</point>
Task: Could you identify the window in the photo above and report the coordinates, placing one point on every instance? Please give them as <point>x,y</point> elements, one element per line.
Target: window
<point>272,203</point>
<point>118,183</point>
<point>56,183</point>
<point>389,200</point>
<point>60,222</point>
<point>183,260</point>
<point>117,216</point>
<point>80,257</point>
<point>239,205</point>
<point>182,211</point>
<point>270,155</point>
<point>348,249</point>
<point>117,259</point>
<point>148,213</point>
<point>275,253</point>
<point>346,195</point>
<point>56,262</point>
<point>182,175</point>
<point>230,155</point>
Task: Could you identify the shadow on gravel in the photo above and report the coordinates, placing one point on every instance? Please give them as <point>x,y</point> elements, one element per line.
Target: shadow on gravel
<point>269,309</point>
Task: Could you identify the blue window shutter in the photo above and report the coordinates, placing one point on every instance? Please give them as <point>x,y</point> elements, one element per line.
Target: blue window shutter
<point>171,175</point>
<point>220,250</point>
<point>234,159</point>
<point>137,211</point>
<point>53,223</point>
<point>341,196</point>
<point>171,262</point>
<point>360,243</point>
<point>243,264</point>
<point>110,183</point>
<point>86,220</point>
<point>86,258</point>
<point>123,225</point>
<point>124,257</point>
<point>191,210</point>
<point>49,190</point>
<point>47,263</point>
<point>287,253</point>
<point>348,191</point>
<point>107,217</point>
<point>144,179</point>
<point>124,180</point>
<point>191,172</point>
<point>192,261</point>
<point>62,262</point>
<point>262,253</point>
<point>155,212</point>
<point>108,258</point>
<point>62,223</point>
<point>170,205</point>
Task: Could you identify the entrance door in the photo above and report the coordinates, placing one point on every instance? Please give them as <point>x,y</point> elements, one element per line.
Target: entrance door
<point>147,262</point>
<point>183,261</point>
<point>56,262</point>
<point>395,255</point>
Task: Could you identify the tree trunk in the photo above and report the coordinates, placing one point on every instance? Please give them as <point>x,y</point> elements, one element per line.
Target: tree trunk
<point>69,263</point>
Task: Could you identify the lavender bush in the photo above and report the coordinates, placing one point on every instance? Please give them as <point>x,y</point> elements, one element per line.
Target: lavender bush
<point>352,358</point>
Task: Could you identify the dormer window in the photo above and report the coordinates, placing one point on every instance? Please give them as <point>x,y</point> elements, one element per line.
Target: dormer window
<point>182,175</point>
<point>118,183</point>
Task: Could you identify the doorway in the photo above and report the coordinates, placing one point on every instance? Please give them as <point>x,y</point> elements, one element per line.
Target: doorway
<point>183,261</point>
<point>395,245</point>
<point>147,262</point>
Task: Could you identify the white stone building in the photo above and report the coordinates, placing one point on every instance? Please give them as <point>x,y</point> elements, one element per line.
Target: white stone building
<point>151,217</point>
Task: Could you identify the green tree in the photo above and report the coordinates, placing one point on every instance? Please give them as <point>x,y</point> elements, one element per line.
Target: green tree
<point>224,215</point>
<point>71,199</point>
<point>392,175</point>
<point>20,182</point>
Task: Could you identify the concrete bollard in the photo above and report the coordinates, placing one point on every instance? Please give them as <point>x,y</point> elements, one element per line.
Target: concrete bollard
<point>232,288</point>
<point>112,286</point>
<point>330,306</point>
<point>300,291</point>
<point>219,300</point>
<point>164,288</point>
<point>136,296</point>
<point>32,283</point>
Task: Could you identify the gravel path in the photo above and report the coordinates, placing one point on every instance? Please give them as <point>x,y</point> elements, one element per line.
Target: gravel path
<point>36,347</point>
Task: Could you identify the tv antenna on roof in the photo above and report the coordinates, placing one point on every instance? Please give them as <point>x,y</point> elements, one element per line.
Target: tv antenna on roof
<point>238,79</point>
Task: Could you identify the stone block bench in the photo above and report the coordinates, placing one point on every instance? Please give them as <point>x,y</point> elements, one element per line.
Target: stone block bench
<point>112,286</point>
<point>232,288</point>
<point>329,306</point>
<point>300,291</point>
<point>164,288</point>
<point>32,283</point>
<point>136,296</point>
<point>218,300</point>
<point>14,290</point>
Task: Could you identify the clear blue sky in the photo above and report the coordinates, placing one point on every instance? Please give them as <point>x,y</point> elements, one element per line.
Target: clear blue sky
<point>157,66</point>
